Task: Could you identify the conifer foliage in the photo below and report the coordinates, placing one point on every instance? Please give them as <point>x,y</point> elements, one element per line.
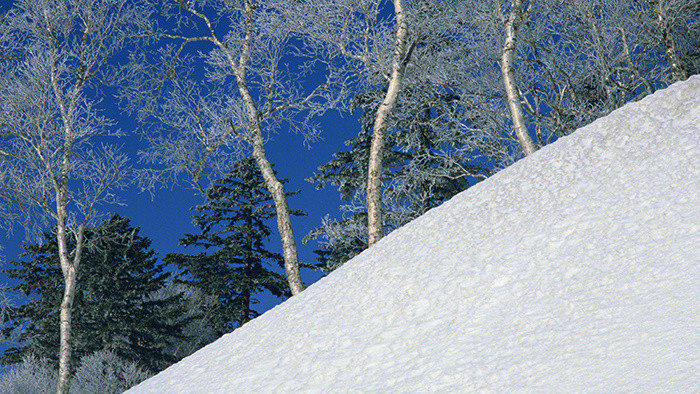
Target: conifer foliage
<point>424,164</point>
<point>112,310</point>
<point>234,265</point>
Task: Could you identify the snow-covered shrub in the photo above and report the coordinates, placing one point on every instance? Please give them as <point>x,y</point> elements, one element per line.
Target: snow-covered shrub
<point>32,376</point>
<point>102,372</point>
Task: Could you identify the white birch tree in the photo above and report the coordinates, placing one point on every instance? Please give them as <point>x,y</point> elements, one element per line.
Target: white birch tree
<point>512,21</point>
<point>675,22</point>
<point>379,50</point>
<point>569,62</point>
<point>53,169</point>
<point>248,92</point>
<point>401,57</point>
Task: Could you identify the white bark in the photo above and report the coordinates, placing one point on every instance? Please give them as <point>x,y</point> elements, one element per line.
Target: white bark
<point>284,223</point>
<point>517,13</point>
<point>239,67</point>
<point>70,274</point>
<point>274,186</point>
<point>664,31</point>
<point>48,167</point>
<point>374,174</point>
<point>70,269</point>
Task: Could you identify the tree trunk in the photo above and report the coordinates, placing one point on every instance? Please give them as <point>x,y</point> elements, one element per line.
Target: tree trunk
<point>284,222</point>
<point>374,174</point>
<point>69,269</point>
<point>70,274</point>
<point>516,110</point>
<point>274,186</point>
<point>674,61</point>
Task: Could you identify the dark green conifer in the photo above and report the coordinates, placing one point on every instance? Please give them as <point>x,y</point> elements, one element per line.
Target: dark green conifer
<point>112,309</point>
<point>235,264</point>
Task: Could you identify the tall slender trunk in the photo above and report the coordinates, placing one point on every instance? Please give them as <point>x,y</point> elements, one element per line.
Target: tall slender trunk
<point>69,269</point>
<point>516,16</point>
<point>633,67</point>
<point>374,182</point>
<point>274,186</point>
<point>257,141</point>
<point>284,222</point>
<point>664,30</point>
<point>70,274</point>
<point>602,65</point>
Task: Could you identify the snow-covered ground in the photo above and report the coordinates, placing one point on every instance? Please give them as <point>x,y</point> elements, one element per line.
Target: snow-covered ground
<point>575,269</point>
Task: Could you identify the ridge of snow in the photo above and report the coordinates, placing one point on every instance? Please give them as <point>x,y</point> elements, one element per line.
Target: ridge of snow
<point>574,269</point>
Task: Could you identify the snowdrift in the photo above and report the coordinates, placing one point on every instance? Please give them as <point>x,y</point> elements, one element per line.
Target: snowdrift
<point>575,269</point>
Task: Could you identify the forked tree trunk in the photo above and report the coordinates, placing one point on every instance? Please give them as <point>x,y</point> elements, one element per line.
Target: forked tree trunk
<point>68,267</point>
<point>374,174</point>
<point>516,16</point>
<point>70,274</point>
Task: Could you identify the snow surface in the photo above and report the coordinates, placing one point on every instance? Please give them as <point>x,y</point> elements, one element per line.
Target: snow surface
<point>575,269</point>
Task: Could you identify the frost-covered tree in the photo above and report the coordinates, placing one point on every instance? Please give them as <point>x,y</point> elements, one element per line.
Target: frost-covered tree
<point>518,74</point>
<point>572,61</point>
<point>33,375</point>
<point>414,44</point>
<point>675,25</point>
<point>260,77</point>
<point>53,165</point>
<point>235,264</point>
<point>512,20</point>
<point>400,59</point>
<point>105,372</point>
<point>112,311</point>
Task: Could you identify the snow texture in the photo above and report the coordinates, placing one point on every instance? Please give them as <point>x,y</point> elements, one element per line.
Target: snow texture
<point>573,270</point>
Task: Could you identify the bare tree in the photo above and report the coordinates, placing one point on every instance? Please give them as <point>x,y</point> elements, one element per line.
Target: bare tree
<point>544,67</point>
<point>674,20</point>
<point>571,62</point>
<point>611,52</point>
<point>663,26</point>
<point>518,13</point>
<point>401,58</point>
<point>50,167</point>
<point>378,52</point>
<point>248,92</point>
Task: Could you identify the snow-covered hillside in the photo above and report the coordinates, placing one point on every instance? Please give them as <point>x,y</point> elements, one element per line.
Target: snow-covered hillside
<point>575,269</point>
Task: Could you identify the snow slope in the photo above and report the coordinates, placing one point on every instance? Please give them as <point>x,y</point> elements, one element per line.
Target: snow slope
<point>575,269</point>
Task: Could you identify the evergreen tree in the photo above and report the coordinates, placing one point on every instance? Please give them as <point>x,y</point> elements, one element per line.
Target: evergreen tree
<point>197,331</point>
<point>233,266</point>
<point>112,309</point>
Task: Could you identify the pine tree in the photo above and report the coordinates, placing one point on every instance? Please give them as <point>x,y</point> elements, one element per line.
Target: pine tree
<point>234,265</point>
<point>112,309</point>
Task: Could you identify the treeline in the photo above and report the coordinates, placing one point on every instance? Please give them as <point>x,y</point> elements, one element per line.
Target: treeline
<point>448,91</point>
